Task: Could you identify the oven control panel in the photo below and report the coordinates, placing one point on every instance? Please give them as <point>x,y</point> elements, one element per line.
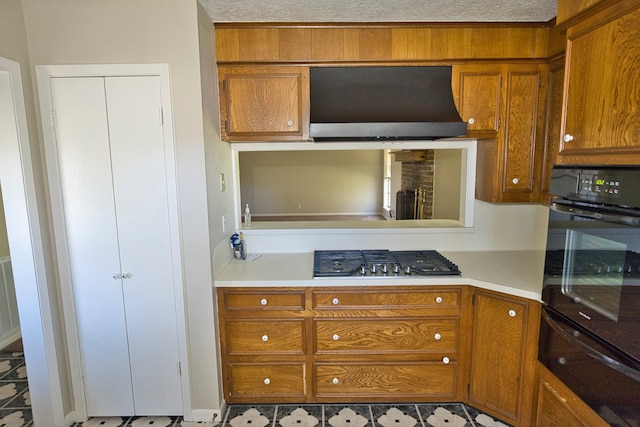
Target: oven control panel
<point>599,185</point>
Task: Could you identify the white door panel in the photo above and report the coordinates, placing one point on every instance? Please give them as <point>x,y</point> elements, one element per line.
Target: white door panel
<point>85,174</point>
<point>137,150</point>
<point>112,167</point>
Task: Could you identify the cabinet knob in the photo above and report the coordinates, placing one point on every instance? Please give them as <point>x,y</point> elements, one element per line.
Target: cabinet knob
<point>265,338</point>
<point>471,121</point>
<point>445,360</point>
<point>263,301</point>
<point>515,180</point>
<point>568,137</point>
<point>512,313</point>
<point>290,123</point>
<point>437,337</point>
<point>267,381</point>
<point>336,337</point>
<point>335,301</point>
<point>335,381</point>
<point>438,300</point>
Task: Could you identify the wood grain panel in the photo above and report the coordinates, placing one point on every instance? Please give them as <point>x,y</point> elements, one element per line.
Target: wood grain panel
<point>497,355</point>
<point>400,380</point>
<point>388,335</point>
<point>263,300</point>
<point>294,43</point>
<point>479,89</point>
<point>384,299</point>
<point>280,336</point>
<point>327,44</point>
<point>520,131</point>
<point>266,382</point>
<point>374,44</point>
<point>553,129</point>
<point>602,105</point>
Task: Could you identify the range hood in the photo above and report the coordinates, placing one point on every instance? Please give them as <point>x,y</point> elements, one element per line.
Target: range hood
<point>369,103</point>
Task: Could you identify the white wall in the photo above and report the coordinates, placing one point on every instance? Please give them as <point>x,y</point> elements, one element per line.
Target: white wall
<point>38,299</point>
<point>312,182</point>
<point>151,31</point>
<point>496,227</point>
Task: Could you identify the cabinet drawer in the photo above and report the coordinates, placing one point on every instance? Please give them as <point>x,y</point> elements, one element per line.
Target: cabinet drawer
<point>260,337</point>
<point>386,335</point>
<point>386,299</point>
<point>266,300</point>
<point>394,380</point>
<point>254,381</point>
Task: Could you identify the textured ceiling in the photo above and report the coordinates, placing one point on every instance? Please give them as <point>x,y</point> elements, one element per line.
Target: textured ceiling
<point>380,10</point>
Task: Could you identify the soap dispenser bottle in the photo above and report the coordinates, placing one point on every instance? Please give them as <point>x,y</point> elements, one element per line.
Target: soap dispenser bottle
<point>247,216</point>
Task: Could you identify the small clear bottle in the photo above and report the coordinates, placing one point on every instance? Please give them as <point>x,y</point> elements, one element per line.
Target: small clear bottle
<point>247,216</point>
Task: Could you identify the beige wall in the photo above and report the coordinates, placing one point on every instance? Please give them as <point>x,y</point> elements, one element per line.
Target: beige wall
<point>151,31</point>
<point>321,182</point>
<point>4,242</point>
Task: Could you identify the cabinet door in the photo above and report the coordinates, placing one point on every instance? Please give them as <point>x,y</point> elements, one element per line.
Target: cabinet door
<point>553,120</point>
<point>520,131</point>
<point>558,406</point>
<point>601,112</point>
<point>477,89</point>
<point>262,103</point>
<point>503,355</point>
<point>111,160</point>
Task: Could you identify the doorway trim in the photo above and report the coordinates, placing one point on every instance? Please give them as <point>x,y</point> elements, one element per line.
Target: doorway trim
<point>27,255</point>
<point>43,74</point>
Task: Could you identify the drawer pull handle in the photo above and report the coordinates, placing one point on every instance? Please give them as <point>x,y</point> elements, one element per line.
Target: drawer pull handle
<point>512,313</point>
<point>335,301</point>
<point>263,301</point>
<point>265,338</point>
<point>335,381</point>
<point>437,337</point>
<point>267,381</point>
<point>336,337</point>
<point>438,300</point>
<point>445,360</point>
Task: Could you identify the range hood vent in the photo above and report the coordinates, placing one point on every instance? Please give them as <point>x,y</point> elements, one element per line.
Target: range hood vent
<point>369,103</point>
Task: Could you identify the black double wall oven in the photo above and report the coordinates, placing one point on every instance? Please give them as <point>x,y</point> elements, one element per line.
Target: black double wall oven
<point>590,329</point>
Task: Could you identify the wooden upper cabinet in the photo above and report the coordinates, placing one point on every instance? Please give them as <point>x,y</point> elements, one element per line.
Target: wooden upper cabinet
<point>602,107</point>
<point>520,131</point>
<point>569,9</point>
<point>553,121</point>
<point>511,140</point>
<point>477,89</point>
<point>264,103</point>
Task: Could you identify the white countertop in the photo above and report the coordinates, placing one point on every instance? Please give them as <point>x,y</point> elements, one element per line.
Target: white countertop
<point>517,273</point>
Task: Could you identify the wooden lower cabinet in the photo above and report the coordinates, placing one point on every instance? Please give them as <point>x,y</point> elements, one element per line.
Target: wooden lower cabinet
<point>385,381</point>
<point>271,382</point>
<point>503,357</point>
<point>380,344</point>
<point>558,406</point>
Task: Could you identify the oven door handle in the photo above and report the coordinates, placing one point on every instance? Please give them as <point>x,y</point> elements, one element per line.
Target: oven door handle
<point>609,217</point>
<point>613,364</point>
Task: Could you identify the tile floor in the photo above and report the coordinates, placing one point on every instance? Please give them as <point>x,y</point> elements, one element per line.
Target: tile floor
<point>15,403</point>
<point>332,415</point>
<point>15,411</point>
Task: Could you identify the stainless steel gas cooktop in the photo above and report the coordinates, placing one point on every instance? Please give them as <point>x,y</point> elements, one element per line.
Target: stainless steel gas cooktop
<point>381,263</point>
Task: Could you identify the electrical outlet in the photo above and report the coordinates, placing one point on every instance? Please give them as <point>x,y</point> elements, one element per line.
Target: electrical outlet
<point>299,205</point>
<point>224,223</point>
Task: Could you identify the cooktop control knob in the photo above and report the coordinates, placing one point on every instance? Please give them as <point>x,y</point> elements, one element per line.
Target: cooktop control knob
<point>407,270</point>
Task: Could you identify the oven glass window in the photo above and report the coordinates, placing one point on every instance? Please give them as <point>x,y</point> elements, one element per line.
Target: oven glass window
<point>593,272</point>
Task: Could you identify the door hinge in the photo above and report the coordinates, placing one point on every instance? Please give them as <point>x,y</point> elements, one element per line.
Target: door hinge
<point>161,117</point>
<point>224,85</point>
<point>473,299</point>
<point>52,118</point>
<point>81,370</point>
<point>179,369</point>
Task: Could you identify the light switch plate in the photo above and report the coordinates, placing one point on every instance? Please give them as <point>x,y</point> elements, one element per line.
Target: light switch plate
<point>223,185</point>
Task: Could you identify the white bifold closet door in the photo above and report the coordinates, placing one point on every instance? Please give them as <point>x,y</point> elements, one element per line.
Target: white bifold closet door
<point>113,180</point>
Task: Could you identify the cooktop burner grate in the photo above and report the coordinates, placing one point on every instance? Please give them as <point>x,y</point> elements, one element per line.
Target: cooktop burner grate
<point>381,263</point>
